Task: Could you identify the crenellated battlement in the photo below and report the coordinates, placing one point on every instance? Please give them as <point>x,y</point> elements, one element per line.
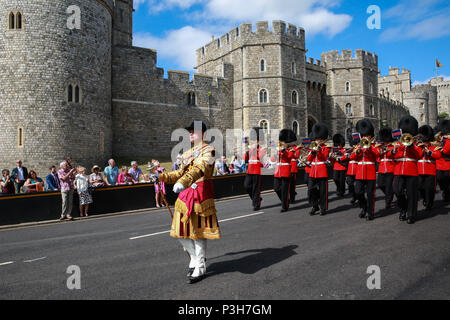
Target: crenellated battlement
<point>183,79</point>
<point>347,59</point>
<point>248,34</point>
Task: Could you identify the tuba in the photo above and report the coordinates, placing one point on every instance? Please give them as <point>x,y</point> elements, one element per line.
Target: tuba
<point>406,139</point>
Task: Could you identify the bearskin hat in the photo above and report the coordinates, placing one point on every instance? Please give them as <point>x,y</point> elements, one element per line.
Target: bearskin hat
<point>409,124</point>
<point>319,131</point>
<point>427,132</point>
<point>365,128</point>
<point>287,136</point>
<point>385,134</point>
<point>338,140</point>
<point>444,126</point>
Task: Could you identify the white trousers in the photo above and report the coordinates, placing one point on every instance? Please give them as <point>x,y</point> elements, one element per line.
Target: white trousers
<point>197,252</point>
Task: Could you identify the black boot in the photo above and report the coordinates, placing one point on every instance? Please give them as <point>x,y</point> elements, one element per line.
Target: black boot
<point>313,211</point>
<point>410,220</point>
<point>369,217</point>
<point>362,214</point>
<point>402,216</point>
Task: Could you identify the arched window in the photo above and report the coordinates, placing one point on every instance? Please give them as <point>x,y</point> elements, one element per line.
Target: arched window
<point>347,87</point>
<point>295,127</point>
<point>348,109</point>
<point>370,88</point>
<point>264,124</point>
<point>19,20</point>
<point>263,96</point>
<point>314,86</point>
<point>422,117</point>
<point>371,110</point>
<point>191,98</point>
<point>12,20</point>
<point>77,94</point>
<point>262,65</point>
<point>294,97</point>
<point>308,84</point>
<point>70,93</point>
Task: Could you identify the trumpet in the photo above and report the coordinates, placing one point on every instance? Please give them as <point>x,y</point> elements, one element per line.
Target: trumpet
<point>366,143</point>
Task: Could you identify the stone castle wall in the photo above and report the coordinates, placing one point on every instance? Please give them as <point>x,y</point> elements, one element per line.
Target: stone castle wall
<point>37,64</point>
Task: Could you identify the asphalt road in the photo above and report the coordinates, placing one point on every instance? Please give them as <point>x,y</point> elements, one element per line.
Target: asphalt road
<point>262,255</point>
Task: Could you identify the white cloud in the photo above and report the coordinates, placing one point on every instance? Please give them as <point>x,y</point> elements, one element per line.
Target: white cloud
<point>312,15</point>
<point>418,82</point>
<point>179,45</point>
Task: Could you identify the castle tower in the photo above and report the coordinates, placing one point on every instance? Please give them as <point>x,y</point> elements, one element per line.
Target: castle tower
<point>422,104</point>
<point>352,88</point>
<point>269,74</point>
<point>55,83</point>
<point>123,22</point>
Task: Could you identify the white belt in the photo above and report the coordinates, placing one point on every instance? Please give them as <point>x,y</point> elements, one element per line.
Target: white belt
<point>406,159</point>
<point>294,160</point>
<point>283,164</point>
<point>253,161</point>
<point>386,160</point>
<point>426,161</point>
<point>318,163</point>
<point>353,162</point>
<point>362,162</point>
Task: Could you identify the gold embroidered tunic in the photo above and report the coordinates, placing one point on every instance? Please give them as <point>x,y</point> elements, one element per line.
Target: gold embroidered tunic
<point>195,213</point>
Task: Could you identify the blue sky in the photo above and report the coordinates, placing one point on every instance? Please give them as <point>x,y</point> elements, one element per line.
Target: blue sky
<point>412,35</point>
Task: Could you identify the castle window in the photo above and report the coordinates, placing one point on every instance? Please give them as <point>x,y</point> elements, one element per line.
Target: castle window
<point>422,105</point>
<point>228,38</point>
<point>77,94</point>
<point>70,93</point>
<point>348,109</point>
<point>191,99</point>
<point>308,85</point>
<point>295,127</point>
<point>371,110</point>
<point>237,32</point>
<point>370,88</point>
<point>218,43</point>
<point>294,97</point>
<point>20,137</point>
<point>314,86</point>
<point>294,68</point>
<point>12,20</point>
<point>347,87</point>
<point>263,96</point>
<point>264,124</point>
<point>262,65</point>
<point>422,117</point>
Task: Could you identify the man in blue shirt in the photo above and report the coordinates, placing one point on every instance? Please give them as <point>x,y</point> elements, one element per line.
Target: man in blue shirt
<point>111,173</point>
<point>52,180</point>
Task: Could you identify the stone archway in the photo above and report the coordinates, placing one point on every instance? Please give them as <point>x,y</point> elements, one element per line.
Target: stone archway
<point>311,122</point>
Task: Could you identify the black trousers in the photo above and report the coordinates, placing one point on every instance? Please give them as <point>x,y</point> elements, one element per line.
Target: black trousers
<point>252,184</point>
<point>443,180</point>
<point>405,189</point>
<point>281,187</point>
<point>339,180</point>
<point>427,189</point>
<point>351,186</point>
<point>363,188</point>
<point>292,186</point>
<point>318,193</point>
<point>307,184</point>
<point>385,182</point>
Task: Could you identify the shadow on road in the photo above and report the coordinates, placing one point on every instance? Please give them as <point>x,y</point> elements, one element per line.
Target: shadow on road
<point>250,264</point>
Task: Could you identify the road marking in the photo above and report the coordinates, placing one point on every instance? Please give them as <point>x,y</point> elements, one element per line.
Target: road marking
<point>220,221</point>
<point>5,263</point>
<point>26,261</point>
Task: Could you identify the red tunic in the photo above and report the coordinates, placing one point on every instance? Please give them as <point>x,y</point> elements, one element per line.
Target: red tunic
<point>352,164</point>
<point>406,160</point>
<point>254,156</point>
<point>339,165</point>
<point>319,161</point>
<point>386,160</point>
<point>367,159</point>
<point>296,154</point>
<point>427,165</point>
<point>443,163</point>
<point>283,169</point>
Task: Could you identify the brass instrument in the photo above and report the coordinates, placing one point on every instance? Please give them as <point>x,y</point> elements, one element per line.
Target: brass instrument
<point>314,146</point>
<point>366,143</point>
<point>407,139</point>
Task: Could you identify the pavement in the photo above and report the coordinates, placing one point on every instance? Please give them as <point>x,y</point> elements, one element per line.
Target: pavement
<point>262,255</point>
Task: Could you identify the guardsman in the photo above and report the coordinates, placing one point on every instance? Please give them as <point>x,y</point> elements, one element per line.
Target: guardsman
<point>296,151</point>
<point>366,154</point>
<point>254,157</point>
<point>443,164</point>
<point>351,168</point>
<point>427,166</point>
<point>406,154</point>
<point>385,179</point>
<point>339,166</point>
<point>282,176</point>
<point>318,176</point>
<point>194,220</point>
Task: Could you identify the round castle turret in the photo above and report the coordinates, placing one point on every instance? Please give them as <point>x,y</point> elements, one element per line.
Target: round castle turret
<point>422,104</point>
<point>55,83</point>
